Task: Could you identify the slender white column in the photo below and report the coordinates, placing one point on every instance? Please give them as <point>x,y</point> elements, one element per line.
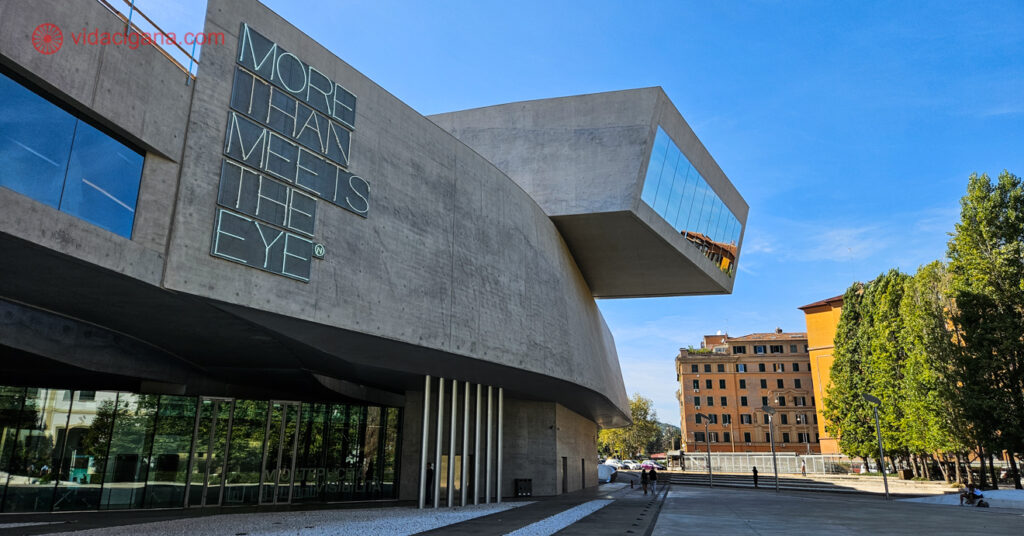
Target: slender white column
<point>501,412</point>
<point>465,447</point>
<point>426,437</point>
<point>440,433</point>
<point>451,444</point>
<point>490,447</point>
<point>476,445</point>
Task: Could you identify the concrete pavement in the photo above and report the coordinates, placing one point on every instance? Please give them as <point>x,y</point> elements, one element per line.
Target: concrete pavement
<point>690,510</point>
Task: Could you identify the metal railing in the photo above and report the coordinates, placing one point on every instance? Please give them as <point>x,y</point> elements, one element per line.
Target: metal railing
<point>790,463</point>
<point>130,26</point>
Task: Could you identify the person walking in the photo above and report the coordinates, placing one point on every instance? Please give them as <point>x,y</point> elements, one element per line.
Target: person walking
<point>654,480</point>
<point>644,480</point>
<point>803,468</point>
<point>755,476</point>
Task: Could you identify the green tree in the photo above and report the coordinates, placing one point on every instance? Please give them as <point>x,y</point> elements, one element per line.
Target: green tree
<point>986,254</point>
<point>849,416</point>
<point>632,440</point>
<point>885,358</point>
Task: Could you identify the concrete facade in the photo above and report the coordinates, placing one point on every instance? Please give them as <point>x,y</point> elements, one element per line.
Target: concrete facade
<point>464,267</point>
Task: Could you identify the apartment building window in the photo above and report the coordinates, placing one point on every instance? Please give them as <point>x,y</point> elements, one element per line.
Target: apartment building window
<point>707,384</point>
<point>801,418</point>
<point>767,437</point>
<point>721,384</point>
<point>743,384</point>
<point>743,401</point>
<point>713,437</point>
<point>726,418</point>
<point>796,367</point>
<point>696,401</point>
<point>764,383</point>
<point>721,367</point>
<point>746,437</point>
<point>799,400</point>
<point>759,348</point>
<point>698,437</point>
<point>782,401</point>
<point>796,383</point>
<point>760,367</point>
<point>711,401</point>
<point>779,383</point>
<point>707,368</point>
<point>725,437</point>
<point>817,437</point>
<point>696,384</point>
<point>693,368</point>
<point>815,418</point>
<point>792,348</point>
<point>778,367</point>
<point>805,348</point>
<point>785,418</point>
<point>765,418</point>
<point>802,437</point>
<point>776,348</point>
<point>741,368</point>
<point>764,402</point>
<point>697,418</point>
<point>87,396</point>
<point>785,437</point>
<point>739,349</point>
<point>724,401</point>
<point>713,418</point>
<point>745,418</point>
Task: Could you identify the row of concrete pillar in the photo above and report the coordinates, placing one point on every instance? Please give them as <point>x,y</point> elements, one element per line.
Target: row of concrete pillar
<point>492,487</point>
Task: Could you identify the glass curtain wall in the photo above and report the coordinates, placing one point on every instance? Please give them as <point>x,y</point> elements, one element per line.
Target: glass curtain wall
<point>678,193</point>
<point>63,450</point>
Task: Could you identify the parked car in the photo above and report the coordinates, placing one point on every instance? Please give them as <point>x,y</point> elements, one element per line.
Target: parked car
<point>653,464</point>
<point>605,472</point>
<point>631,465</point>
<point>614,462</point>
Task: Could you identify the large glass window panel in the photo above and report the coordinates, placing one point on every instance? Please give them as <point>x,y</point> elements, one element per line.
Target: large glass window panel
<point>680,174</point>
<point>128,460</point>
<point>654,167</point>
<point>103,181</point>
<point>337,428</point>
<point>310,476</point>
<point>172,442</point>
<point>661,199</point>
<point>35,141</point>
<point>84,462</point>
<point>370,465</point>
<point>248,434</point>
<point>35,462</point>
<point>391,451</point>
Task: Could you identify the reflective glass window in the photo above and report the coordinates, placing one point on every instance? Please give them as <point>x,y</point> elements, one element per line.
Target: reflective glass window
<point>130,443</point>
<point>310,475</point>
<point>35,462</point>
<point>85,448</point>
<point>245,457</point>
<point>172,443</point>
<point>35,142</point>
<point>56,158</point>
<point>389,489</point>
<point>102,182</point>
<point>677,192</point>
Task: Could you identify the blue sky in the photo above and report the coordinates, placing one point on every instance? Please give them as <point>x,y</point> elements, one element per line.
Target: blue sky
<point>850,128</point>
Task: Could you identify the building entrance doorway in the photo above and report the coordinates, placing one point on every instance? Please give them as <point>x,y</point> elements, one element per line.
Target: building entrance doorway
<point>280,453</point>
<point>211,437</point>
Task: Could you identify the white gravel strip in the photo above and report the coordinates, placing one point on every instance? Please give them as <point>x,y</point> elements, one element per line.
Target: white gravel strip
<point>557,522</point>
<point>363,522</point>
<point>32,524</point>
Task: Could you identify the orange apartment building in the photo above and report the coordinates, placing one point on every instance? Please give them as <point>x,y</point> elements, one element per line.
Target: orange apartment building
<point>731,378</point>
<point>822,319</point>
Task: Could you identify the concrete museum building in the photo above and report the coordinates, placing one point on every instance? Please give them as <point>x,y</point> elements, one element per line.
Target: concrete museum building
<point>275,283</point>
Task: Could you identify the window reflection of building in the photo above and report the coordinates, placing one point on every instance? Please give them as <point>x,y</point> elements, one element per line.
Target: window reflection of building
<point>64,450</point>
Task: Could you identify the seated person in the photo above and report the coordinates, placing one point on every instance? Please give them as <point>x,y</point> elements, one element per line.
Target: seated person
<point>971,494</point>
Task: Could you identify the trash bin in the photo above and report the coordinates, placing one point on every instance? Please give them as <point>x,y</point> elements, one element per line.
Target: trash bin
<point>523,487</point>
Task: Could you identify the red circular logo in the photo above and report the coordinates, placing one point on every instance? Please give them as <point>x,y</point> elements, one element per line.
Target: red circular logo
<point>47,38</point>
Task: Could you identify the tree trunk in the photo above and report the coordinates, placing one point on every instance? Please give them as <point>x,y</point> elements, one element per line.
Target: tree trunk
<point>992,471</point>
<point>983,484</point>
<point>927,466</point>
<point>915,460</point>
<point>959,472</point>
<point>1016,473</point>
<point>944,466</point>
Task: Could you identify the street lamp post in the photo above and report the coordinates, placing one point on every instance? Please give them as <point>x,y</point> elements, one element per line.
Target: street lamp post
<point>707,441</point>
<point>771,438</point>
<point>875,402</point>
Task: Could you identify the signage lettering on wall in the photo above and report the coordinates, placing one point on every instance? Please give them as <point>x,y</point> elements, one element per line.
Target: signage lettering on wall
<point>287,144</point>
